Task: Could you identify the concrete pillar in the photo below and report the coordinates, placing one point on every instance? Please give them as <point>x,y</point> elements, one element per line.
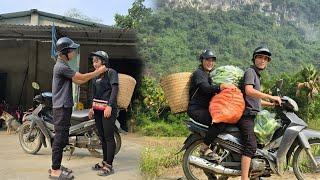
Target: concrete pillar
<point>32,72</point>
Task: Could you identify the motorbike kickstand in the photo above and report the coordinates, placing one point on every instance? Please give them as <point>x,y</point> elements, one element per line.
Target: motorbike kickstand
<point>71,152</point>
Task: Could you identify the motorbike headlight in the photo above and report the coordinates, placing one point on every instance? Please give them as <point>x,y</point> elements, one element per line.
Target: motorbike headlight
<point>295,106</point>
<point>293,103</point>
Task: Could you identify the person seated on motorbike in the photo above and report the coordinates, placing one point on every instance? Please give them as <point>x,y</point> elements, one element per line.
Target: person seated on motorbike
<point>253,99</point>
<point>201,91</point>
<point>105,91</point>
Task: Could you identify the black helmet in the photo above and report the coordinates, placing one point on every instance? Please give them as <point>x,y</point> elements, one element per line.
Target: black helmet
<point>207,54</point>
<point>64,44</point>
<point>102,55</point>
<point>263,51</point>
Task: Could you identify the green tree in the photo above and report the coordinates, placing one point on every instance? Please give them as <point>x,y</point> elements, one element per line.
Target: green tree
<point>136,14</point>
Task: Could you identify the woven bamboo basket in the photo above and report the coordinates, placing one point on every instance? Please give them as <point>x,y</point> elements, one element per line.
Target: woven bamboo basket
<point>126,88</point>
<point>176,90</point>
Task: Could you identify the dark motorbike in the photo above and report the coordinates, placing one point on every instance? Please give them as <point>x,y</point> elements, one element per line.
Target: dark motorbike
<point>293,144</point>
<point>37,128</point>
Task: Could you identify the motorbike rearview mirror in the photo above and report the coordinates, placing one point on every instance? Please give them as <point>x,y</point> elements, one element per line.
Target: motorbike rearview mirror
<point>279,83</point>
<point>35,85</point>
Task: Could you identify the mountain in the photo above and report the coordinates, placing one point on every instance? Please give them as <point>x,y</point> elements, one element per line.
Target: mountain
<point>178,30</point>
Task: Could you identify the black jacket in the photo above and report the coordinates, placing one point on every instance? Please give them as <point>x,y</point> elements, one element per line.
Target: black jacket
<point>106,88</point>
<point>201,90</point>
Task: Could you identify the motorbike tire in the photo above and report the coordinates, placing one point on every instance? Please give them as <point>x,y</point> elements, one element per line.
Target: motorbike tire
<point>185,162</point>
<point>297,154</point>
<point>118,141</point>
<point>23,130</point>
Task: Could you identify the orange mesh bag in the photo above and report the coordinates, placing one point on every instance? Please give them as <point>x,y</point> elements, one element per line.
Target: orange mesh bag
<point>227,106</point>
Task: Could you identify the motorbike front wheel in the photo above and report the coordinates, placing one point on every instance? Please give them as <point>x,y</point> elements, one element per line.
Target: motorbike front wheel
<point>32,144</point>
<point>193,172</point>
<point>98,152</point>
<point>303,166</point>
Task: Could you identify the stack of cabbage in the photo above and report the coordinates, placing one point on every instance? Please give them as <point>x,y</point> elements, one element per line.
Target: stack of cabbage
<point>227,74</point>
<point>265,125</point>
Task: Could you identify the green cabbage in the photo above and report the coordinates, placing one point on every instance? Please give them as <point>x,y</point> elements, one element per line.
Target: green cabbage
<point>227,74</point>
<point>265,125</point>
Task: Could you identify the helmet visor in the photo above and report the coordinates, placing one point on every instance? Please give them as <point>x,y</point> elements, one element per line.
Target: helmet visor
<point>74,46</point>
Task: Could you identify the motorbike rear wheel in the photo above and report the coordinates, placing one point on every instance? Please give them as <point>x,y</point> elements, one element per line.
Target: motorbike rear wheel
<point>98,152</point>
<point>33,144</point>
<point>302,164</point>
<point>193,172</point>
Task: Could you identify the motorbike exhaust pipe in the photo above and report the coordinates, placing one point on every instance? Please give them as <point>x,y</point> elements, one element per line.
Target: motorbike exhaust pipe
<point>213,166</point>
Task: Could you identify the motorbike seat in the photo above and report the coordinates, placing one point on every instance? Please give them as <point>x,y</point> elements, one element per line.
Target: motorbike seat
<point>80,116</point>
<point>229,128</point>
<point>198,124</point>
<point>232,128</point>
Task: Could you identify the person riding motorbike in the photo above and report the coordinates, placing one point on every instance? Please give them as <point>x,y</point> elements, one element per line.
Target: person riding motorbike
<point>200,92</point>
<point>253,98</point>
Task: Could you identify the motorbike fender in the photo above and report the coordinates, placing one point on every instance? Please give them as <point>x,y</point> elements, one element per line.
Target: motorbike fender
<point>288,139</point>
<point>40,123</point>
<point>307,134</point>
<point>116,129</point>
<point>292,149</point>
<point>43,140</point>
<point>191,138</point>
<point>303,141</point>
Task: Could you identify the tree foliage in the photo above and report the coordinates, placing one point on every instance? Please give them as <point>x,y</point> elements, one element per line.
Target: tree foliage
<point>77,14</point>
<point>135,15</point>
<point>172,39</point>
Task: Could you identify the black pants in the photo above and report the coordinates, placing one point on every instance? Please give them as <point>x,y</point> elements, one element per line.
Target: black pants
<point>203,116</point>
<point>106,129</point>
<point>61,121</point>
<point>246,126</point>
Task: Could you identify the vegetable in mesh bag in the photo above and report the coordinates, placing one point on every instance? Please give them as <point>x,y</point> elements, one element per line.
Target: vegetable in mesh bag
<point>265,125</point>
<point>227,106</point>
<point>227,74</point>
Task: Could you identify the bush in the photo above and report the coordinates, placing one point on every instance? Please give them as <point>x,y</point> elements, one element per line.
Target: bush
<point>308,106</point>
<point>164,129</point>
<point>152,115</point>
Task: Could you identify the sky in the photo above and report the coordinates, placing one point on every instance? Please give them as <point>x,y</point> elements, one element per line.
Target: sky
<point>100,9</point>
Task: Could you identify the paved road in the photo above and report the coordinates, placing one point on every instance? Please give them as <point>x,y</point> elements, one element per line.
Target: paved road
<point>15,164</point>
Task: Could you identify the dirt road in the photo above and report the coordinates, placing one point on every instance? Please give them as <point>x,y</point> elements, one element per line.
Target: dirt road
<point>15,164</point>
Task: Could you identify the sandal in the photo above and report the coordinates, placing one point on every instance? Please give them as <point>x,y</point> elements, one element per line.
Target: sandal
<point>64,175</point>
<point>63,168</point>
<point>98,167</point>
<point>208,154</point>
<point>106,172</point>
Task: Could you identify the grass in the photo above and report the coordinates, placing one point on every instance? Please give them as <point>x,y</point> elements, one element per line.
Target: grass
<point>314,124</point>
<point>159,156</point>
<point>164,129</point>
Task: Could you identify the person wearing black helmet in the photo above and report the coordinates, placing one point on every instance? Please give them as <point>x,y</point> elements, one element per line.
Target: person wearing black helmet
<point>62,101</point>
<point>104,110</point>
<point>253,98</point>
<point>201,91</point>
